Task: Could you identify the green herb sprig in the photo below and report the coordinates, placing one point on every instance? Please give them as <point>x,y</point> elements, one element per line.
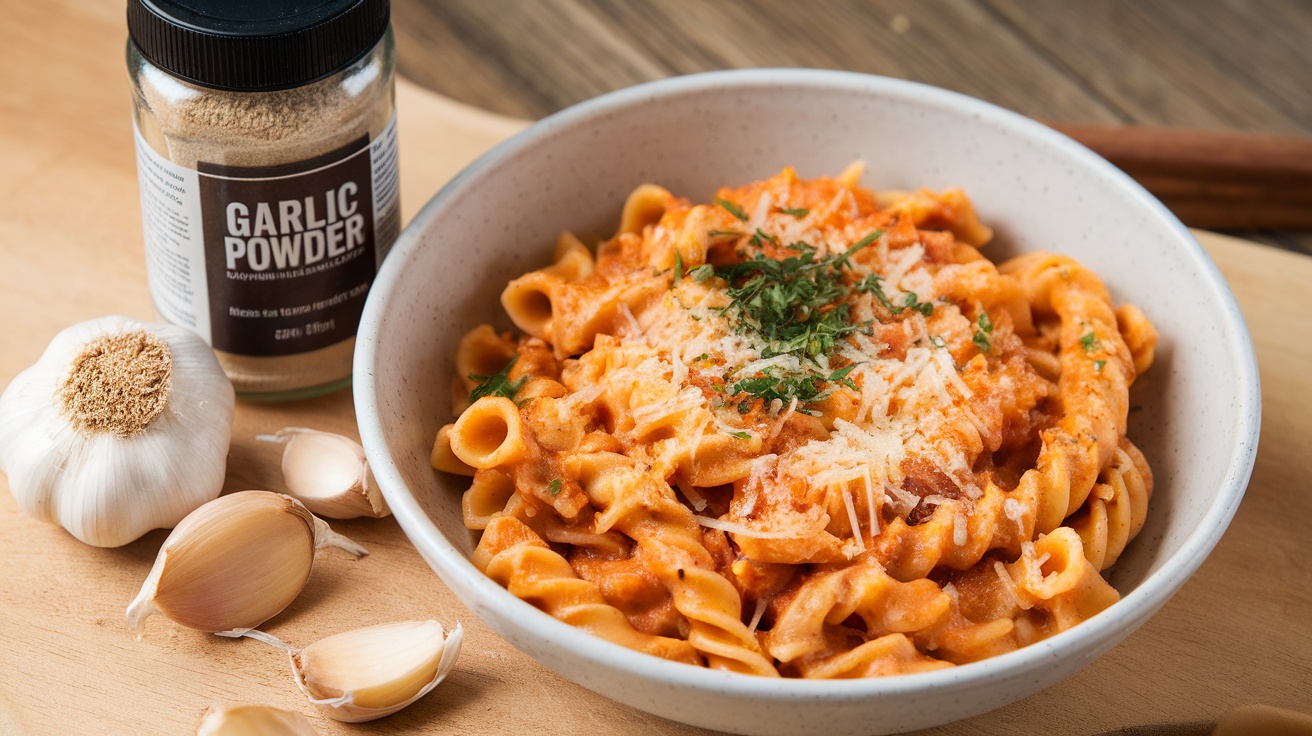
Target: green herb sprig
<point>984,333</point>
<point>733,209</point>
<point>806,387</point>
<point>702,273</point>
<point>874,284</point>
<point>498,384</point>
<point>794,306</point>
<point>1089,342</point>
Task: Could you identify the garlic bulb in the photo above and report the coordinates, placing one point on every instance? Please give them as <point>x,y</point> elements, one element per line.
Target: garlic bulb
<point>372,672</point>
<point>253,720</point>
<point>119,428</point>
<point>329,474</point>
<point>234,563</point>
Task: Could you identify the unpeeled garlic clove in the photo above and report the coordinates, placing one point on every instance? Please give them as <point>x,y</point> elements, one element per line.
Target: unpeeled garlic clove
<point>253,720</point>
<point>372,672</point>
<point>368,673</point>
<point>234,563</point>
<point>329,474</point>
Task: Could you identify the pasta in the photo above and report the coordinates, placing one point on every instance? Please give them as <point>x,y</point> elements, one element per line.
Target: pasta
<point>804,430</point>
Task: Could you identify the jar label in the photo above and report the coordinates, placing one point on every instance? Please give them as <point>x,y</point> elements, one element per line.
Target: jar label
<point>270,260</point>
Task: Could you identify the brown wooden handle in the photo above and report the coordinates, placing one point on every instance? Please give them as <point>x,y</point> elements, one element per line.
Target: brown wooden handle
<point>1213,179</point>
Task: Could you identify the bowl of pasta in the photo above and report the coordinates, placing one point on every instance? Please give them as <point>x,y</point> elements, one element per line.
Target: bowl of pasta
<point>787,401</point>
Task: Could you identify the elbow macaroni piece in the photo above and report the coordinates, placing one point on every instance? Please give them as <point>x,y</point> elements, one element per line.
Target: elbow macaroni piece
<point>806,430</point>
<point>489,434</point>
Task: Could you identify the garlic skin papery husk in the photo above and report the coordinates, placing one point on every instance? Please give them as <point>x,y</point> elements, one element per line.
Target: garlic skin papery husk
<point>368,673</point>
<point>234,563</point>
<point>119,428</point>
<point>329,474</point>
<point>253,720</point>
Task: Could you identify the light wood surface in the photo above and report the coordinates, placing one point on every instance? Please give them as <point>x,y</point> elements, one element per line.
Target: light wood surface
<point>70,249</point>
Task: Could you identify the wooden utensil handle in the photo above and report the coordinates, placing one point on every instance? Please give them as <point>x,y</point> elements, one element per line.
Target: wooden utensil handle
<point>1213,179</point>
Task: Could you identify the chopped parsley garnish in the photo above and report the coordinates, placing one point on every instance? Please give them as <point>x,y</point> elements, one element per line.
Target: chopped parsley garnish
<point>874,283</point>
<point>703,356</point>
<point>790,304</point>
<point>985,330</point>
<point>678,267</point>
<point>937,341</point>
<point>798,212</point>
<point>1089,342</point>
<point>1098,364</point>
<point>497,384</point>
<point>805,387</point>
<point>723,233</point>
<point>761,236</point>
<point>554,486</point>
<point>867,240</point>
<point>702,273</point>
<point>794,306</point>
<point>741,435</point>
<point>840,376</point>
<point>914,304</point>
<point>734,209</point>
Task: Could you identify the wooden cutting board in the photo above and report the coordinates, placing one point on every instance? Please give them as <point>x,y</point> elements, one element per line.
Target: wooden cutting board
<point>70,250</point>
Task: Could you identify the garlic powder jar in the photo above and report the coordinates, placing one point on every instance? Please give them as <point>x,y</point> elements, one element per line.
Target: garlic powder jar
<point>267,163</point>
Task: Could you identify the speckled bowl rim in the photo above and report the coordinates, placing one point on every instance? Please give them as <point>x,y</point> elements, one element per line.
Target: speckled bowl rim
<point>1092,637</point>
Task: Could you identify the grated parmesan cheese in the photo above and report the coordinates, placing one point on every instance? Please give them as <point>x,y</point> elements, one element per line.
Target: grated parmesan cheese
<point>734,527</point>
<point>634,331</point>
<point>757,614</point>
<point>870,501</point>
<point>960,530</point>
<point>1009,586</point>
<point>851,519</point>
<point>1012,509</point>
<point>756,218</point>
<point>697,500</point>
<point>910,258</point>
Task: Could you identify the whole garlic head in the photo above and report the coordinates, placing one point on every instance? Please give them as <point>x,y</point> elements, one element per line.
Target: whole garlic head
<point>119,428</point>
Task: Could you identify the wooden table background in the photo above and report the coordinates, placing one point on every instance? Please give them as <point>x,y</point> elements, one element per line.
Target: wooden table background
<point>1213,64</point>
<point>70,250</point>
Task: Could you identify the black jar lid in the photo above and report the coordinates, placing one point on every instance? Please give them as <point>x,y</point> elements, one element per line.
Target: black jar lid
<point>255,45</point>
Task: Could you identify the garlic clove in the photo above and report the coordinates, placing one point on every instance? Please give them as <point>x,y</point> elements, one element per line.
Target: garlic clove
<point>329,474</point>
<point>372,672</point>
<point>253,720</point>
<point>234,563</point>
<point>119,428</point>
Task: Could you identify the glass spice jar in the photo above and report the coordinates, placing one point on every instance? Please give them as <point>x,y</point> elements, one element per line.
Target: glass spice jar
<point>267,163</point>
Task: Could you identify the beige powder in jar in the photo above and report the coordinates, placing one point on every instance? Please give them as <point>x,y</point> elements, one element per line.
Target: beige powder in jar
<point>194,126</point>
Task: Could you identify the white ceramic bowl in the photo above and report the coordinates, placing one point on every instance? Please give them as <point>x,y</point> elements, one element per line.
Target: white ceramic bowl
<point>1198,424</point>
